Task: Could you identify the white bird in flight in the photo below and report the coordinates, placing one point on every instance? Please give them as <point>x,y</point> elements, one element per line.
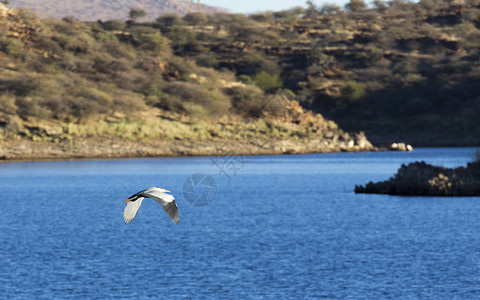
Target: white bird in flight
<point>160,195</point>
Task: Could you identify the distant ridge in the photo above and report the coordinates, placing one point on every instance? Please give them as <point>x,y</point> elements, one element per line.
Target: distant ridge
<point>93,10</point>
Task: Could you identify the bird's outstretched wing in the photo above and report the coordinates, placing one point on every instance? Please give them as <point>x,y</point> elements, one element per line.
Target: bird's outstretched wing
<point>167,201</point>
<point>131,210</point>
<point>172,211</point>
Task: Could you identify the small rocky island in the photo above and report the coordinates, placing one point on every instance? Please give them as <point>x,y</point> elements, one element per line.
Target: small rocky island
<point>422,179</point>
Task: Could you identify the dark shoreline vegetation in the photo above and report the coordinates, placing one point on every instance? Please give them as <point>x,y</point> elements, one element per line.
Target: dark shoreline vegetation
<point>422,179</point>
<point>399,72</point>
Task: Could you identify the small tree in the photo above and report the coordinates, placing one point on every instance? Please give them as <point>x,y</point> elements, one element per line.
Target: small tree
<point>353,91</point>
<point>195,19</point>
<point>330,9</point>
<point>311,8</point>
<point>356,5</point>
<point>6,2</point>
<point>166,22</point>
<point>268,82</point>
<point>136,13</point>
<point>379,4</point>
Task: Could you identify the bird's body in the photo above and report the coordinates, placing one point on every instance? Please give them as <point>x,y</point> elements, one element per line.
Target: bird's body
<point>160,195</point>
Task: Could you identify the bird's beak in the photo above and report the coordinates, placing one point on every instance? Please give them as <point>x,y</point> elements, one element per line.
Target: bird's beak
<point>167,191</point>
<point>129,199</point>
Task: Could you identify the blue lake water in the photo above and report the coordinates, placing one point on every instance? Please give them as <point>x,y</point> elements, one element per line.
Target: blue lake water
<point>280,227</point>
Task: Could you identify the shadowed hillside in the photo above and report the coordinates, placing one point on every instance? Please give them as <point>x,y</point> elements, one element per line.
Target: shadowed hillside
<point>400,71</point>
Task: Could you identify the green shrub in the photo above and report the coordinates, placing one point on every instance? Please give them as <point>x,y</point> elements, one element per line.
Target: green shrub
<point>356,5</point>
<point>114,25</point>
<point>246,79</point>
<point>208,60</point>
<point>49,45</point>
<point>106,36</point>
<point>21,86</point>
<point>66,27</point>
<point>120,50</point>
<point>353,91</point>
<point>188,92</point>
<point>7,104</point>
<point>128,102</point>
<point>104,63</point>
<point>81,108</point>
<point>195,19</point>
<point>181,69</point>
<point>274,106</point>
<point>58,107</point>
<point>136,13</point>
<point>93,94</point>
<point>153,41</point>
<point>11,46</point>
<point>14,125</point>
<point>405,67</point>
<point>27,107</point>
<point>157,98</point>
<point>247,100</point>
<point>166,22</point>
<point>268,82</point>
<point>181,35</point>
<point>167,102</point>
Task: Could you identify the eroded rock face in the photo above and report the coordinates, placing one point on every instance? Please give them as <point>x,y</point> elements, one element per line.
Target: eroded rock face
<point>422,179</point>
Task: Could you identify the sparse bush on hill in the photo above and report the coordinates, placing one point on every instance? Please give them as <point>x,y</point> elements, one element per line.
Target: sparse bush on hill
<point>136,13</point>
<point>247,101</point>
<point>7,104</point>
<point>114,25</point>
<point>182,39</point>
<point>268,82</point>
<point>168,21</point>
<point>208,60</point>
<point>195,19</point>
<point>356,5</point>
<point>353,91</point>
<point>11,47</point>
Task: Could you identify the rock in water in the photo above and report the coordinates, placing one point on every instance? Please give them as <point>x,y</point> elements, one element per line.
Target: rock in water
<point>422,179</point>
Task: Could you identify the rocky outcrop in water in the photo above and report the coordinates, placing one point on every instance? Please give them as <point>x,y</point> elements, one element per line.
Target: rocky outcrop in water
<point>401,147</point>
<point>422,179</point>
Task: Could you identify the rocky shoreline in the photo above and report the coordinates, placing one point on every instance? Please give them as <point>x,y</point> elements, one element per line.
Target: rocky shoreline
<point>114,148</point>
<point>422,179</point>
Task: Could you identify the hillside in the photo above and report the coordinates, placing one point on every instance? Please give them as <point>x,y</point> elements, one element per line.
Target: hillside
<point>401,71</point>
<point>113,89</point>
<point>93,10</point>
